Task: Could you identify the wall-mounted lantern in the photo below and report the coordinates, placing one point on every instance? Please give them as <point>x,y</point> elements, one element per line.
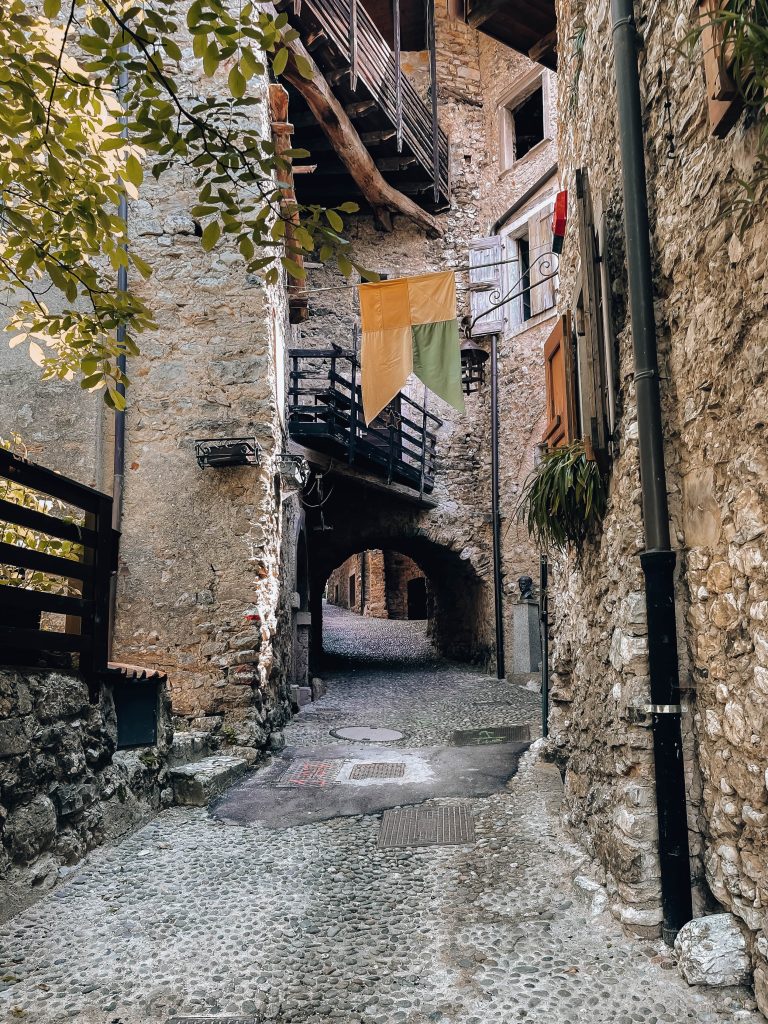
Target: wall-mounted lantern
<point>473,360</point>
<point>293,469</point>
<point>227,451</point>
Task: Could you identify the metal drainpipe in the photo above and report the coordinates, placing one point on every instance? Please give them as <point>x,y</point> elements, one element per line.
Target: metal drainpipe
<point>118,461</point>
<point>495,512</point>
<point>658,559</point>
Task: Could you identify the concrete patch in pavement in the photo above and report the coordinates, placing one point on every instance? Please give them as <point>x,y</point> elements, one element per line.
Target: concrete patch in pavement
<point>430,772</point>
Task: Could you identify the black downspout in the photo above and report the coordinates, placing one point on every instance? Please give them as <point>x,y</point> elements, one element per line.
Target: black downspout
<point>658,559</point>
<point>118,461</point>
<point>498,577</point>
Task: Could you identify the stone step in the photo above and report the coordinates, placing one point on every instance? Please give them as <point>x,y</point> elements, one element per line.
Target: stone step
<point>196,784</point>
<point>188,747</point>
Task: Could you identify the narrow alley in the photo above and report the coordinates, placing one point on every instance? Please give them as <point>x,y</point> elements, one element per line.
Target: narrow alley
<point>282,904</point>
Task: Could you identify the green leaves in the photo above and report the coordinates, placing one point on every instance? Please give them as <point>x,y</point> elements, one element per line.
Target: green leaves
<point>563,498</point>
<point>211,235</point>
<point>65,166</point>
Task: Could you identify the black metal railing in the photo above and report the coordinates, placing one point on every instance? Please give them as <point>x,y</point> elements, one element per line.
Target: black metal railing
<point>38,582</point>
<point>325,413</point>
<point>351,30</point>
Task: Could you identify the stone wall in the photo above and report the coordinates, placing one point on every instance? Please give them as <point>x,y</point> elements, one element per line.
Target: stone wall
<point>200,594</point>
<point>400,570</point>
<point>711,286</point>
<point>63,786</point>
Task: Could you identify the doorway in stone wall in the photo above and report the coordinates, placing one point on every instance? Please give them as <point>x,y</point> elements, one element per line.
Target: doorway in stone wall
<point>417,598</point>
<point>301,619</point>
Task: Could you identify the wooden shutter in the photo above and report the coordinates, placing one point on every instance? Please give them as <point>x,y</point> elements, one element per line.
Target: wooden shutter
<point>542,260</point>
<point>485,283</point>
<point>591,350</point>
<point>724,102</point>
<point>558,371</point>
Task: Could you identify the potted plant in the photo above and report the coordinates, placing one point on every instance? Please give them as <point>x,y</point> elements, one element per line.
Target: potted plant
<point>563,498</point>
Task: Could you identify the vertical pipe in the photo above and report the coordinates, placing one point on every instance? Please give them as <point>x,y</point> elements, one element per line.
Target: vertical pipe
<point>429,7</point>
<point>544,627</point>
<point>658,560</point>
<point>495,513</point>
<point>118,456</point>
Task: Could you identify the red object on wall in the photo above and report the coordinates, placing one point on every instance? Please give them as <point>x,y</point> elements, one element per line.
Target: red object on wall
<point>559,220</point>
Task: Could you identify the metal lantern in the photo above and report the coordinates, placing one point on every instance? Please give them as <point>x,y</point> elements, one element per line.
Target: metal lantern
<point>293,469</point>
<point>473,360</point>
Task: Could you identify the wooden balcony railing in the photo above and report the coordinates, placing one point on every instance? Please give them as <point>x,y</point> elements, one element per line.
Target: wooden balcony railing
<point>350,49</point>
<point>325,414</point>
<point>40,581</point>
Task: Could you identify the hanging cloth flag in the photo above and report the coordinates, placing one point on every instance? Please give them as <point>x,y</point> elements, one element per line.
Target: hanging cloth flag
<point>409,326</point>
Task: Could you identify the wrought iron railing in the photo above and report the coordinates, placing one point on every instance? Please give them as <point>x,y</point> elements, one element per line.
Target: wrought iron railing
<point>325,414</point>
<point>372,63</point>
<point>77,588</point>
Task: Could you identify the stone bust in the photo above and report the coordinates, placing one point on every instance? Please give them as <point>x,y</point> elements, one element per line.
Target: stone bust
<point>526,588</point>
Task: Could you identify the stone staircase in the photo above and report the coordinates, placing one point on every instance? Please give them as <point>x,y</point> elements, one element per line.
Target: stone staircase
<point>200,769</point>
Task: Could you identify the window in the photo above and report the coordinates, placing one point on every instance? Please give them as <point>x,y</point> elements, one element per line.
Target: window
<point>352,590</point>
<point>528,275</point>
<point>524,119</point>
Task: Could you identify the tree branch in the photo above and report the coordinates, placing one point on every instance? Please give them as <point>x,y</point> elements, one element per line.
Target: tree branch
<point>333,119</point>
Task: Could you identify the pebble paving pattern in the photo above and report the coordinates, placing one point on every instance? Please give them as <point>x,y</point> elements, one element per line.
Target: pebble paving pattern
<point>315,924</point>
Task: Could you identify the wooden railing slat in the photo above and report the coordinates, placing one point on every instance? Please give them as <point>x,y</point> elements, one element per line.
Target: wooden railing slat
<point>20,515</point>
<point>21,599</point>
<point>39,561</point>
<point>40,640</point>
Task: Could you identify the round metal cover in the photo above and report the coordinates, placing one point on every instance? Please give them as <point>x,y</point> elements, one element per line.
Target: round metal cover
<point>367,734</point>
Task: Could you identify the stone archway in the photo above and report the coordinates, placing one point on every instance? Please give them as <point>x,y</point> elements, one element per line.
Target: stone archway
<point>354,520</point>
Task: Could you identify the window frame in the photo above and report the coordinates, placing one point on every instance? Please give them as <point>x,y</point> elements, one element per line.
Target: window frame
<point>521,91</point>
<point>514,321</point>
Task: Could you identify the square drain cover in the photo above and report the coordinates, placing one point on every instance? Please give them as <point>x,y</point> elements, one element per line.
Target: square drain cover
<point>310,773</point>
<point>379,770</point>
<point>491,734</point>
<point>427,826</point>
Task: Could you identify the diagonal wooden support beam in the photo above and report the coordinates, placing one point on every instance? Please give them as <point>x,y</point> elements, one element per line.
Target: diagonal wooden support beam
<point>334,121</point>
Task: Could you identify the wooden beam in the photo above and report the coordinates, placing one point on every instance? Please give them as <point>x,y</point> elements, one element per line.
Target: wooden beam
<point>333,119</point>
<point>546,45</point>
<point>281,137</point>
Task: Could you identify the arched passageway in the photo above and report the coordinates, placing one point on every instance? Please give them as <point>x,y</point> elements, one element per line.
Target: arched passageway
<point>458,598</point>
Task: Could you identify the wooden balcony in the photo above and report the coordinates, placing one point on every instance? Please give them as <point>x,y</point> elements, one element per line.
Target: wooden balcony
<point>325,414</point>
<point>528,26</point>
<point>396,125</point>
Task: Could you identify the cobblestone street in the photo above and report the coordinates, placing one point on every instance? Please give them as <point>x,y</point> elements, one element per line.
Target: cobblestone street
<point>204,913</point>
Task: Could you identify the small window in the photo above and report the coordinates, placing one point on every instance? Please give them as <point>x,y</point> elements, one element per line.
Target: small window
<point>524,269</point>
<point>523,125</point>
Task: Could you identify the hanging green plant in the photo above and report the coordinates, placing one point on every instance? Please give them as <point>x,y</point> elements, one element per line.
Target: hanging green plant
<point>563,498</point>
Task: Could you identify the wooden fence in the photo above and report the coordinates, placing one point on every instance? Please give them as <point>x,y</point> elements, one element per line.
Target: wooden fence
<point>77,588</point>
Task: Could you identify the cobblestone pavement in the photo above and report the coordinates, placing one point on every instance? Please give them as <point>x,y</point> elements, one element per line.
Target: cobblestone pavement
<point>193,916</point>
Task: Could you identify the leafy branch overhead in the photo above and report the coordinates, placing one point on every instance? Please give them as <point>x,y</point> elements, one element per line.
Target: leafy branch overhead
<point>93,93</point>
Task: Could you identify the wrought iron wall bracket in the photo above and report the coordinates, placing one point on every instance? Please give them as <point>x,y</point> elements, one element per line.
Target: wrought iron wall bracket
<point>548,261</point>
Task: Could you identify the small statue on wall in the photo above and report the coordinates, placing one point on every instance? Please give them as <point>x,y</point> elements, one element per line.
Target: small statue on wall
<point>526,588</point>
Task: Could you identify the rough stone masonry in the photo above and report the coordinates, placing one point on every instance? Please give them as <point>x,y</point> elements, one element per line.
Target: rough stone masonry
<point>711,286</point>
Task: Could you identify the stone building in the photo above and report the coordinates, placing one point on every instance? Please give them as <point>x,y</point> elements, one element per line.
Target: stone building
<point>709,292</point>
<point>222,570</point>
<point>381,584</point>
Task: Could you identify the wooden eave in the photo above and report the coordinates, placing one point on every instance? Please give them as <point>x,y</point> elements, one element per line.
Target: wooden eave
<point>528,26</point>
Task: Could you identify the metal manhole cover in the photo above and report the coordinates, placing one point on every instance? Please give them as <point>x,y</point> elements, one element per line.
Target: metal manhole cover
<point>310,773</point>
<point>379,770</point>
<point>367,734</point>
<point>427,826</point>
<point>491,734</point>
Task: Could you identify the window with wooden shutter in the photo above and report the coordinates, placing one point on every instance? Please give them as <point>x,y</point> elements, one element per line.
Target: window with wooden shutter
<point>541,260</point>
<point>589,326</point>
<point>724,101</point>
<point>485,280</point>
<point>558,371</point>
